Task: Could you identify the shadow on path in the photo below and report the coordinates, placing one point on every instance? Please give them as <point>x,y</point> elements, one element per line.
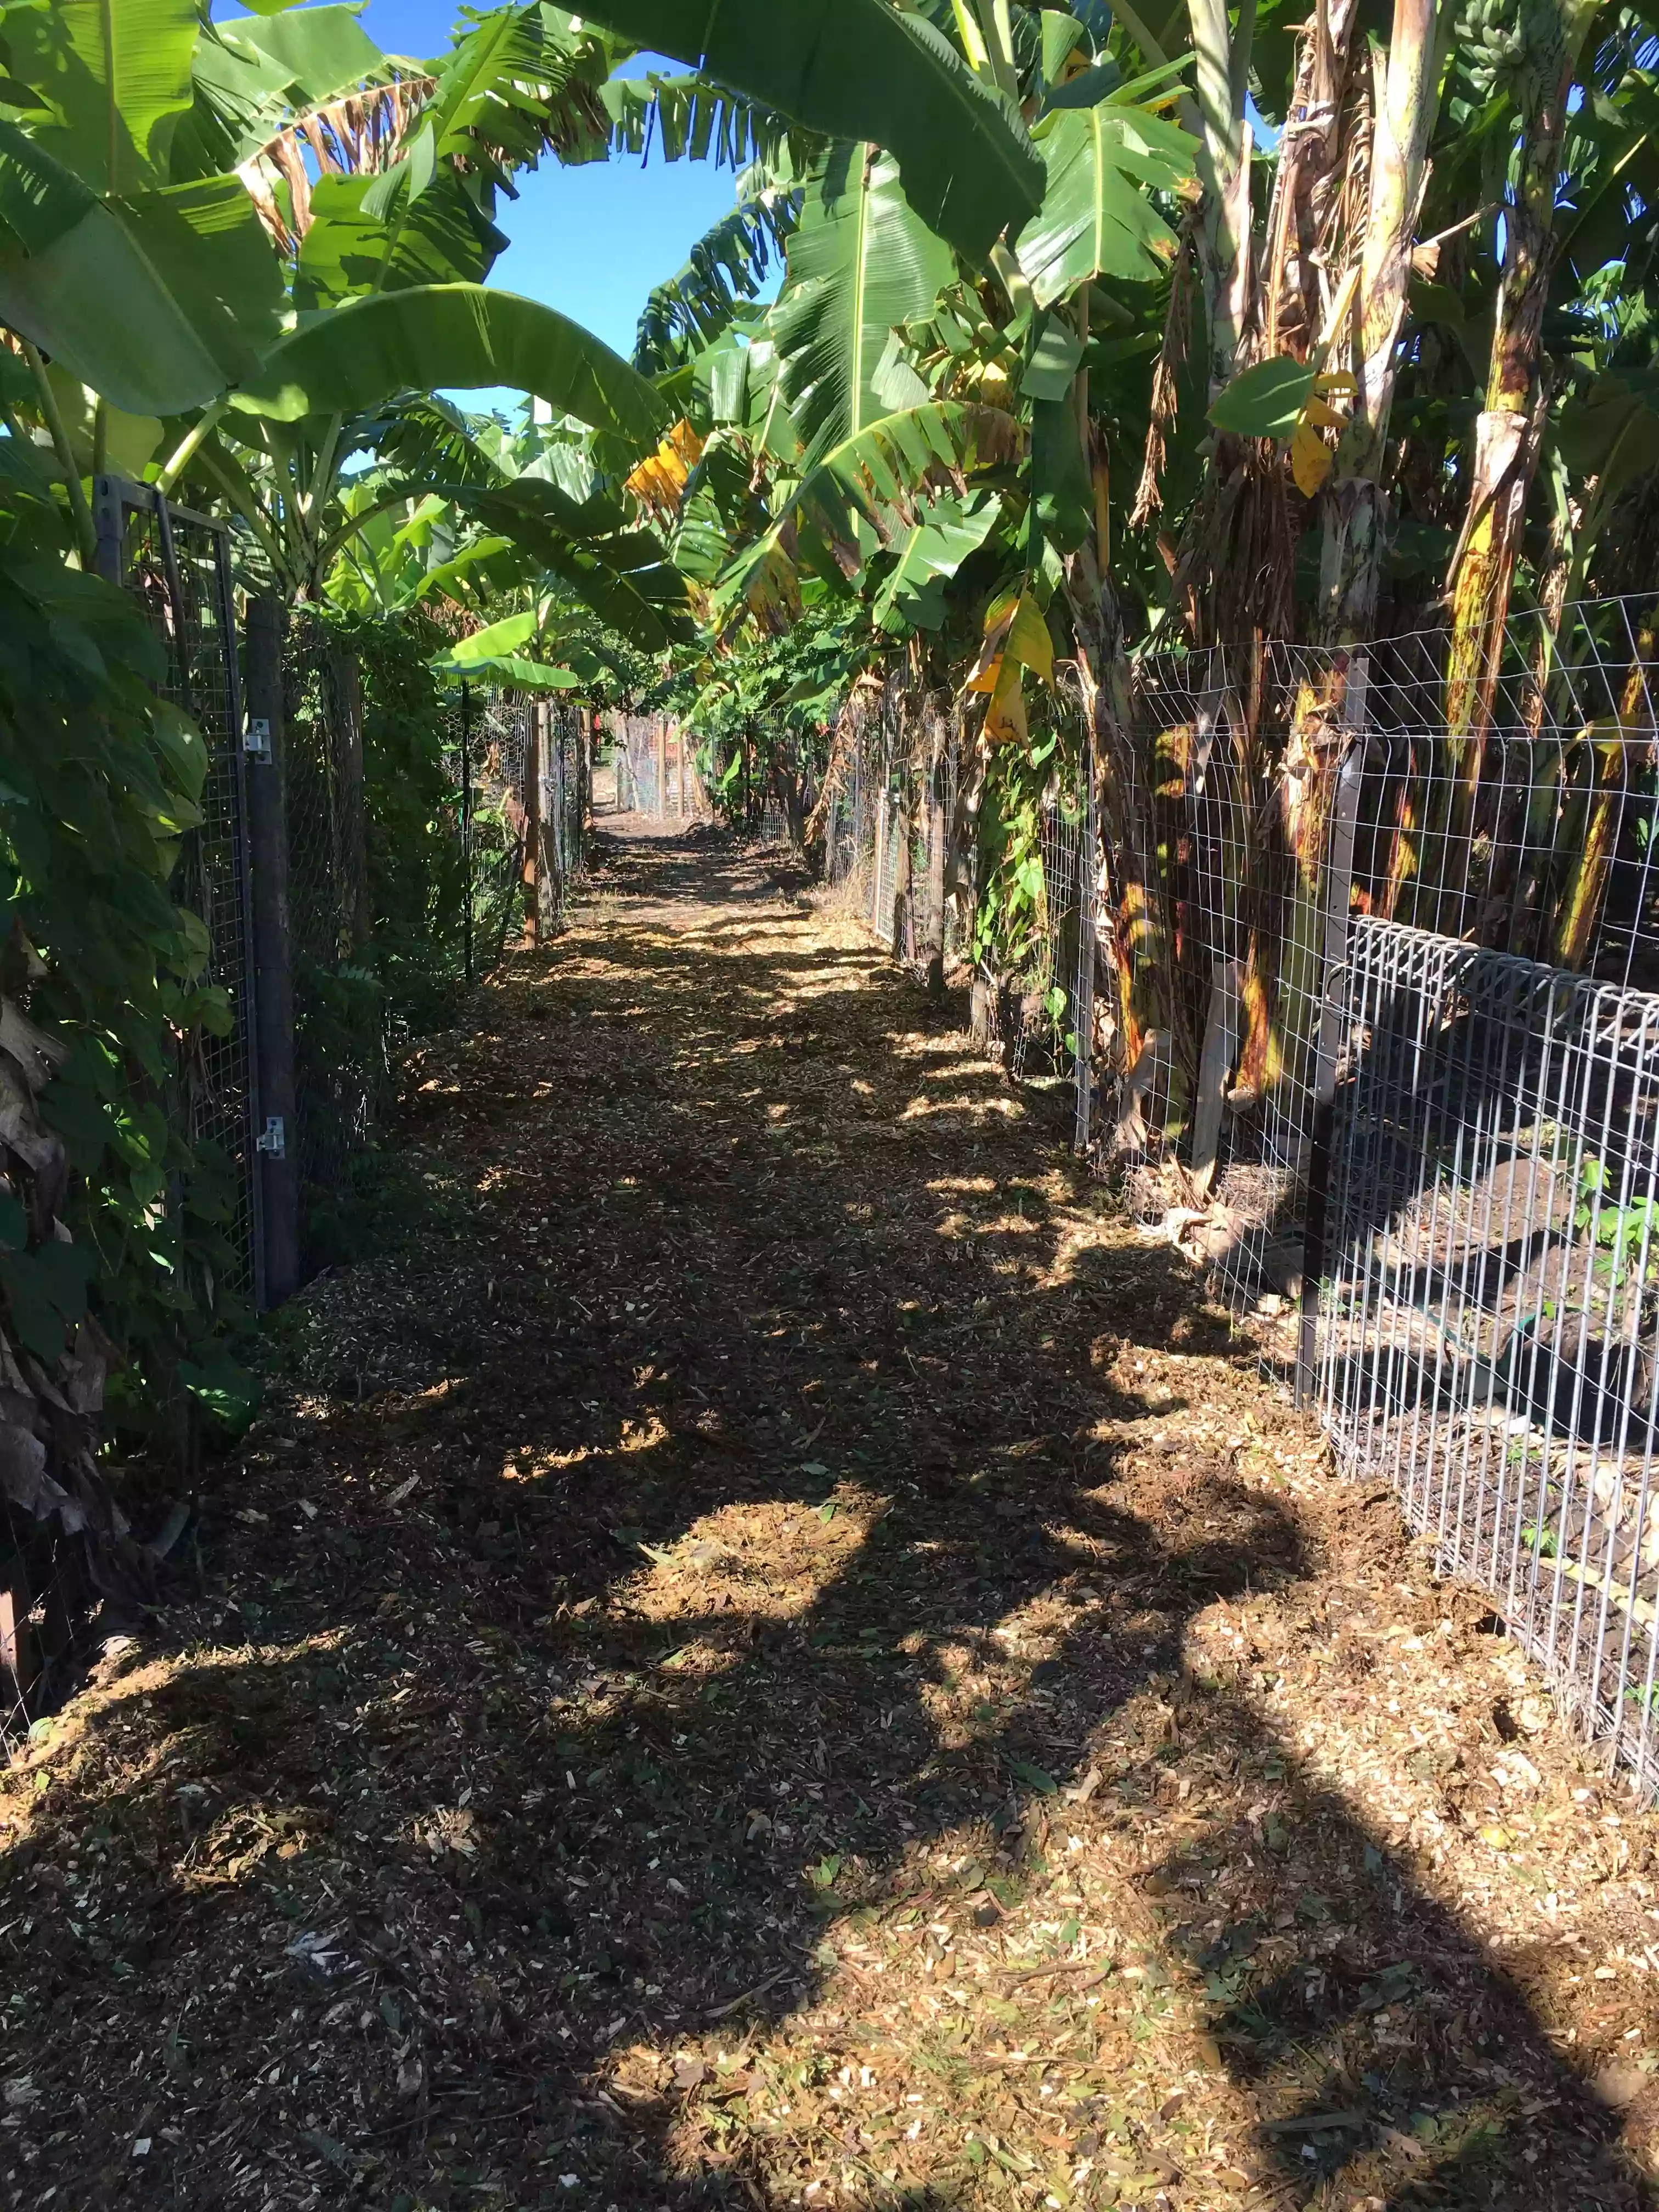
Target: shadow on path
<point>763,1660</point>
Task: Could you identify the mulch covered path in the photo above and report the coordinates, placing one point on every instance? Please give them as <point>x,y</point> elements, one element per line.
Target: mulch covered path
<point>771,1651</point>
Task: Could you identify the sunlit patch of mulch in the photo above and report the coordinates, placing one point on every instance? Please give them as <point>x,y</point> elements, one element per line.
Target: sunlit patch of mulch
<point>769,1650</point>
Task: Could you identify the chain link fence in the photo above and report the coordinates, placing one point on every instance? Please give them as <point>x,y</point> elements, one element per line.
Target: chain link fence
<point>901,856</point>
<point>531,796</point>
<point>897,854</point>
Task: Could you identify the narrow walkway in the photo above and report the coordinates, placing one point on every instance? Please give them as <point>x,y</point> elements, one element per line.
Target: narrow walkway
<point>770,1652</point>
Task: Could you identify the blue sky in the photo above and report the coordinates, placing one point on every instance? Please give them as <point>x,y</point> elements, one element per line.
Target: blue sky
<point>590,241</point>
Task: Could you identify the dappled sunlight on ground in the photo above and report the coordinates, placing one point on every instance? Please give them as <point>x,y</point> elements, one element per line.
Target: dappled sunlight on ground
<point>771,1651</point>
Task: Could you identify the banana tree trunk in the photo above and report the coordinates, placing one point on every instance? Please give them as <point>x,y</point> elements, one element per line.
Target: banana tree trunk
<point>1355,519</point>
<point>1507,431</point>
<point>1226,257</point>
<point>1136,942</point>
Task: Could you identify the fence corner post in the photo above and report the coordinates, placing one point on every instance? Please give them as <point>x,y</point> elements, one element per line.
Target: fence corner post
<point>278,1158</point>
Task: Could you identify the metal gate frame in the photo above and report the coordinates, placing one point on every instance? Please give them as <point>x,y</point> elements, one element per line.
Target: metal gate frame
<point>116,503</point>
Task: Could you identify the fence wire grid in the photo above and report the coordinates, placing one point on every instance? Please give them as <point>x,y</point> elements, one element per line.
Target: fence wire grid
<point>1401,1096</point>
<point>177,566</point>
<point>654,758</point>
<point>342,1066</point>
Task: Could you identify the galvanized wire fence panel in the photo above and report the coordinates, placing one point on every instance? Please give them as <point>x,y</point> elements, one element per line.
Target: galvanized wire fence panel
<point>342,1066</point>
<point>177,566</point>
<point>517,740</point>
<point>895,849</point>
<point>1488,1310</point>
<point>1404,1045</point>
<point>569,788</point>
<point>639,785</point>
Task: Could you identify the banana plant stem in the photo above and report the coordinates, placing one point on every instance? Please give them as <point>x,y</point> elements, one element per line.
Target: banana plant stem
<point>189,446</point>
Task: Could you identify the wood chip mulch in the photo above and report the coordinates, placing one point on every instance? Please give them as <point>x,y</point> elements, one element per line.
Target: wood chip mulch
<point>770,1650</point>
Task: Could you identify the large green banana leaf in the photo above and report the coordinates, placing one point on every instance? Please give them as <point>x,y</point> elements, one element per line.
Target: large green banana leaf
<point>644,604</point>
<point>861,261</point>
<point>686,118</point>
<point>449,336</point>
<point>492,654</point>
<point>859,69</point>
<point>115,78</point>
<point>505,636</point>
<point>250,79</point>
<point>724,269</point>
<point>1097,218</point>
<point>598,522</point>
<point>718,509</point>
<point>861,497</point>
<point>158,299</point>
<point>442,239</point>
<point>513,672</point>
<point>513,85</point>
<point>945,531</point>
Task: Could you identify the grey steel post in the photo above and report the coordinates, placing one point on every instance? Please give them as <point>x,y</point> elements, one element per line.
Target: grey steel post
<point>548,884</point>
<point>273,1005</point>
<point>1338,889</point>
<point>108,517</point>
<point>1082,995</point>
<point>467,831</point>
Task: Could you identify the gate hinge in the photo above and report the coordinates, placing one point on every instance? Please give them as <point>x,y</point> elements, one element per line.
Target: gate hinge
<point>275,1139</point>
<point>256,744</point>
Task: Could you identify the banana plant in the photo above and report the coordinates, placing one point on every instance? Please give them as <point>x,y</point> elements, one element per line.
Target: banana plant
<point>388,227</point>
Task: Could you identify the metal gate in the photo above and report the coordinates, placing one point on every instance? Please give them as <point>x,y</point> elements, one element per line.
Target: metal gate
<point>176,565</point>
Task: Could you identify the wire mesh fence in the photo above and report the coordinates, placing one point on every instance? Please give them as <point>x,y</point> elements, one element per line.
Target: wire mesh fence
<point>1385,1057</point>
<point>340,1042</point>
<point>654,760</point>
<point>177,566</point>
<point>528,792</point>
<point>896,852</point>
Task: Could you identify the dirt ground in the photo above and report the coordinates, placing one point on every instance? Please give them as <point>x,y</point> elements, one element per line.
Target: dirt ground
<point>770,1650</point>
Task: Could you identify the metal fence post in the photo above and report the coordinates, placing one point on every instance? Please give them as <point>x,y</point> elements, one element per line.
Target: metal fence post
<point>273,1009</point>
<point>549,872</point>
<point>1082,995</point>
<point>467,831</point>
<point>1338,895</point>
<point>535,740</point>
